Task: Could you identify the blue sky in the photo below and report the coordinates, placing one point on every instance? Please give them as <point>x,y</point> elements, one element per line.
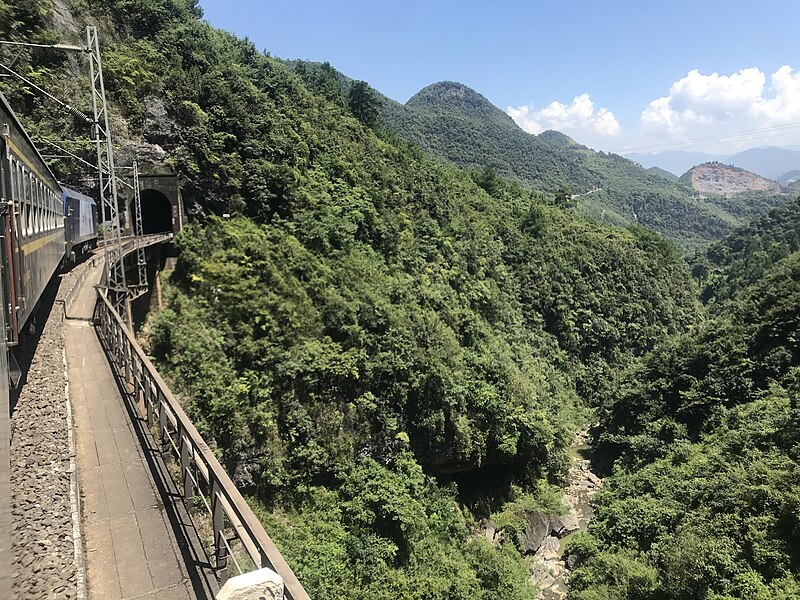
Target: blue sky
<point>616,75</point>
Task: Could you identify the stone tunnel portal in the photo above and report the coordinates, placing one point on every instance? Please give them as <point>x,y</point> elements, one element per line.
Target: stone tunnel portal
<point>156,212</point>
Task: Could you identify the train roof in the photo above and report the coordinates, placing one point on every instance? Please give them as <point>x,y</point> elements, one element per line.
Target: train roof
<point>69,192</point>
<point>22,141</point>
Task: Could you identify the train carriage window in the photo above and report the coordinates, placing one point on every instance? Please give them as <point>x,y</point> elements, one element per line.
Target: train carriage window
<point>23,211</point>
<point>28,204</point>
<point>41,206</point>
<point>31,205</point>
<point>34,207</point>
<point>40,211</point>
<point>37,206</point>
<point>14,180</point>
<point>20,198</point>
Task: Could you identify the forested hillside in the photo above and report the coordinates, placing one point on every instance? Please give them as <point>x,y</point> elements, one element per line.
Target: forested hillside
<point>385,351</point>
<point>704,500</point>
<point>455,122</point>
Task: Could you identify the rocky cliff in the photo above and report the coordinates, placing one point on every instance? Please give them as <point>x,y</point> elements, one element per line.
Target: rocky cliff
<point>717,178</point>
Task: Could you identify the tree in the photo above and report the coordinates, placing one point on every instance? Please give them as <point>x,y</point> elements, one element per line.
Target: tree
<point>363,103</point>
<point>564,197</point>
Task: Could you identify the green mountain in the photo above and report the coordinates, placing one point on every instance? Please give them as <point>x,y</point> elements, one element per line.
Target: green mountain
<point>387,352</point>
<point>455,122</point>
<point>704,435</point>
<point>558,139</point>
<point>663,173</point>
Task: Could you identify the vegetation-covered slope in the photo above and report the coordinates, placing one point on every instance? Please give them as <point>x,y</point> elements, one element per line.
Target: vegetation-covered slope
<point>371,318</point>
<point>455,122</point>
<point>374,332</point>
<point>704,500</point>
<point>376,314</point>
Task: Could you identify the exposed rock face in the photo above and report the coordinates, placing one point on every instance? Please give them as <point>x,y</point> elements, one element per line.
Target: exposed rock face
<point>541,529</point>
<point>719,179</point>
<point>62,19</point>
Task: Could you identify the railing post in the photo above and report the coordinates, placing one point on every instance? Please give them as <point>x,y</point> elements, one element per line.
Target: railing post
<point>162,418</point>
<point>137,372</point>
<point>116,350</point>
<point>217,517</point>
<point>188,487</point>
<point>148,399</point>
<point>127,352</point>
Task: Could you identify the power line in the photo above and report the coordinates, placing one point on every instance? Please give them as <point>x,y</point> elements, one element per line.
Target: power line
<point>70,154</point>
<point>61,103</point>
<point>51,46</point>
<point>713,140</point>
<point>49,141</point>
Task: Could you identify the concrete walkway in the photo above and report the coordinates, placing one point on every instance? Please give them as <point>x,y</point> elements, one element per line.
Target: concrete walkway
<point>131,547</point>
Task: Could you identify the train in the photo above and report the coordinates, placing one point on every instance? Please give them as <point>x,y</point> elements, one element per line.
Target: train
<point>80,225</point>
<point>44,224</point>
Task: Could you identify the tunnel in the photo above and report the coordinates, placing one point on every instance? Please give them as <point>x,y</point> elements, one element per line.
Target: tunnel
<point>156,212</point>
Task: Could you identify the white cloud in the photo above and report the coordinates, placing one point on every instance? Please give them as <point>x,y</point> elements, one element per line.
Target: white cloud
<point>578,117</point>
<point>742,97</point>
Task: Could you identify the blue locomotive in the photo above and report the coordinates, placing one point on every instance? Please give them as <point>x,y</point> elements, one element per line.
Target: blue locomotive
<point>80,225</point>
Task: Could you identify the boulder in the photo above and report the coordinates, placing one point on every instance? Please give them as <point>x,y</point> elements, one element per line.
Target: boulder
<point>262,584</point>
<point>564,525</point>
<point>536,530</point>
<point>539,527</point>
<point>548,550</point>
<point>490,531</point>
<point>594,479</point>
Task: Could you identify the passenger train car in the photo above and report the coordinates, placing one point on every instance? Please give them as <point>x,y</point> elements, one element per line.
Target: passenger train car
<point>33,222</point>
<point>35,237</point>
<point>43,224</point>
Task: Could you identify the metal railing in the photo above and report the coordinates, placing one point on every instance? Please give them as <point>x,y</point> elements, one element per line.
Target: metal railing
<point>201,474</point>
<point>132,242</point>
<point>69,298</point>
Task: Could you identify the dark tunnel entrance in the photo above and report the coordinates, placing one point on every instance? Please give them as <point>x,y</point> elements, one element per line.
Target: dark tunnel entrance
<point>156,212</point>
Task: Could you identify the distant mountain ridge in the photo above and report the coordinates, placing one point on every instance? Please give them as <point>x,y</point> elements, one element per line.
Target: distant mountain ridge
<point>663,173</point>
<point>676,162</point>
<point>457,123</point>
<point>790,178</point>
<point>452,121</point>
<point>769,162</point>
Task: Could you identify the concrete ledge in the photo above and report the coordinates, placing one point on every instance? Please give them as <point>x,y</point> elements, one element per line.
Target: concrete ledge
<point>263,584</point>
